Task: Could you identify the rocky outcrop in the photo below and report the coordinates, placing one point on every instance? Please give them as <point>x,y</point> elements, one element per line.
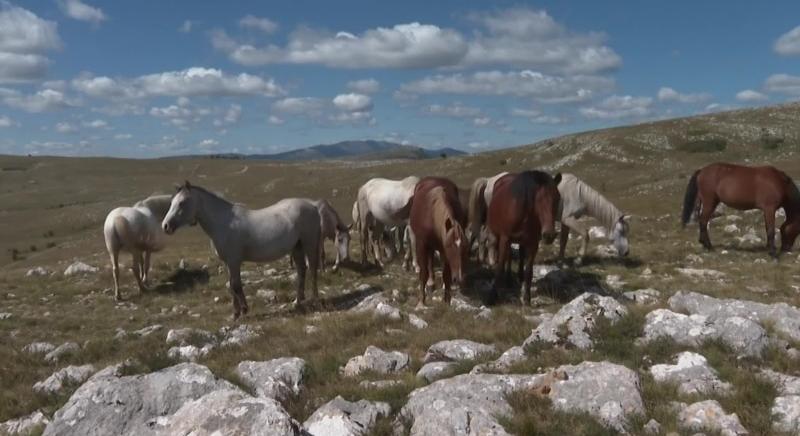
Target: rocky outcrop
<point>709,415</point>
<point>64,377</point>
<point>26,425</point>
<point>430,372</point>
<point>279,379</point>
<point>692,374</point>
<point>62,351</point>
<point>457,350</point>
<point>340,417</point>
<point>378,361</point>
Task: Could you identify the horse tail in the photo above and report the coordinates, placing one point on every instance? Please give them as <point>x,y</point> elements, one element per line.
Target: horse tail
<point>689,199</point>
<point>477,206</point>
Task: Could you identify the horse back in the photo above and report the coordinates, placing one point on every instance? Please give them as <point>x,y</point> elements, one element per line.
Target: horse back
<point>423,206</point>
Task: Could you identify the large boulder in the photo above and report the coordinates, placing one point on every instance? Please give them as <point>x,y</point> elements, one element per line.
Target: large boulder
<point>279,379</point>
<point>190,336</point>
<point>239,335</point>
<point>340,417</point>
<point>26,425</point>
<point>786,408</point>
<point>785,319</point>
<point>230,412</point>
<point>62,351</point>
<point>457,350</point>
<point>125,405</point>
<point>64,377</point>
<point>575,320</point>
<point>692,374</point>
<point>79,267</point>
<point>709,415</point>
<point>432,371</point>
<point>378,361</point>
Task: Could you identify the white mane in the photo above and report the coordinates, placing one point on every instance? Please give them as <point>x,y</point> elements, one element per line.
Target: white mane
<point>580,199</point>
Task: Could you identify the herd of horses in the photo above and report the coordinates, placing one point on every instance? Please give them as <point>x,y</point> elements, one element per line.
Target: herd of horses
<point>430,217</point>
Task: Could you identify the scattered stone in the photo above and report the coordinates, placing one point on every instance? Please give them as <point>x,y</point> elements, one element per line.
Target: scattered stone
<point>26,425</point>
<point>379,384</point>
<point>378,361</point>
<point>786,414</point>
<point>39,348</point>
<point>37,272</point>
<point>698,273</point>
<point>311,329</point>
<point>709,415</point>
<point>614,281</point>
<point>786,384</point>
<point>62,351</point>
<point>643,297</point>
<point>694,258</point>
<point>485,314</point>
<point>378,305</point>
<point>125,405</point>
<point>268,295</point>
<point>731,228</point>
<point>503,363</point>
<point>692,374</point>
<point>149,330</point>
<point>79,267</point>
<point>189,353</point>
<point>417,322</point>
<point>240,335</point>
<point>652,427</point>
<point>190,336</point>
<point>229,412</point>
<point>69,376</point>
<point>344,418</point>
<point>279,379</point>
<point>457,350</point>
<point>750,238</point>
<point>432,371</point>
<point>744,336</point>
<point>5,315</point>
<point>577,317</point>
<point>785,319</point>
<point>461,305</point>
<point>386,310</point>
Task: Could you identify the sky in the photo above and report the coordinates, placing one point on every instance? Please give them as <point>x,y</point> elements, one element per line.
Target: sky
<point>151,78</point>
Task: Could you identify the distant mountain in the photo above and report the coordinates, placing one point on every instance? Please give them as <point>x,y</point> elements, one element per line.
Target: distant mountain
<point>349,150</point>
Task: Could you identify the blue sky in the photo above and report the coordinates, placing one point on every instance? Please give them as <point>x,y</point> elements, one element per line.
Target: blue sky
<point>152,78</point>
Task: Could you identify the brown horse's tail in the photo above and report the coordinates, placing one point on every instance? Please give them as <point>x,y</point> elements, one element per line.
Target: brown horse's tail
<point>689,199</point>
<point>476,210</point>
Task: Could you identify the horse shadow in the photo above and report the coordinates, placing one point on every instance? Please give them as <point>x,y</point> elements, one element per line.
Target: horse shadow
<point>368,270</point>
<point>182,280</point>
<point>337,303</point>
<point>629,262</point>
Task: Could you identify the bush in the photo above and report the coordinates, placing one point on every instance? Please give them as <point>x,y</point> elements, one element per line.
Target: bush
<point>769,142</point>
<point>709,145</point>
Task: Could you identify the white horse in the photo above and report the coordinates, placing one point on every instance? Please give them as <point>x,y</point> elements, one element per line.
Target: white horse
<point>240,234</point>
<point>136,230</point>
<point>480,197</point>
<point>579,199</point>
<point>387,202</point>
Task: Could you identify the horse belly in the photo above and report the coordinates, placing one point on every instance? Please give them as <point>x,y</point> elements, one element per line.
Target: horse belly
<point>390,211</point>
<point>268,248</point>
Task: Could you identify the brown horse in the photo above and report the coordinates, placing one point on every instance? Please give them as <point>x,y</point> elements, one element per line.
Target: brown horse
<point>744,188</point>
<point>437,221</point>
<point>524,209</point>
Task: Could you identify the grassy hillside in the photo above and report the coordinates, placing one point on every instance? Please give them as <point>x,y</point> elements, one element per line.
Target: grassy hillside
<point>52,210</point>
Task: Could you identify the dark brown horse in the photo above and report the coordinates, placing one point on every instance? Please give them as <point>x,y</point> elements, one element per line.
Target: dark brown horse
<point>437,221</point>
<point>744,188</point>
<point>524,208</point>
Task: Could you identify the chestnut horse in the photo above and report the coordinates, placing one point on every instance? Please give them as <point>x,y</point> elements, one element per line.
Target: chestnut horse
<point>524,209</point>
<point>744,188</point>
<point>437,221</point>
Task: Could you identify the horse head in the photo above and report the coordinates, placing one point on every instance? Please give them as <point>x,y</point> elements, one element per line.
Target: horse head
<point>343,241</point>
<point>182,209</point>
<point>619,235</point>
<point>547,206</point>
<point>456,249</point>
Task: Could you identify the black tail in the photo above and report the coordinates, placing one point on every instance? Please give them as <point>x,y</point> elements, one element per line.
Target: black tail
<point>689,199</point>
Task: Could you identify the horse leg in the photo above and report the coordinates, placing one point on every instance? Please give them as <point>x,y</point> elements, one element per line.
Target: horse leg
<point>314,265</point>
<point>562,240</point>
<point>114,254</point>
<point>705,217</point>
<point>235,287</point>
<point>422,256</point>
<point>411,251</point>
<point>500,265</point>
<point>447,280</point>
<point>769,222</point>
<point>300,268</point>
<point>529,272</point>
<point>521,269</point>
<point>137,270</point>
<point>431,283</point>
<point>322,253</point>
<point>574,225</point>
<point>146,269</point>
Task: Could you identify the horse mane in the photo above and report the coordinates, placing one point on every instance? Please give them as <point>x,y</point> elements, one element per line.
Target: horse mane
<point>597,206</point>
<point>476,208</point>
<point>438,202</point>
<point>158,204</point>
<point>793,193</point>
<point>524,185</point>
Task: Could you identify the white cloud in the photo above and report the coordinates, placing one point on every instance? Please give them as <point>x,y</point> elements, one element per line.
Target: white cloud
<point>299,105</point>
<point>42,101</point>
<point>78,10</point>
<point>65,127</point>
<point>519,37</point>
<point>525,113</point>
<point>187,26</point>
<point>617,107</point>
<point>783,84</point>
<point>24,38</point>
<point>123,136</point>
<point>352,118</point>
<point>526,83</point>
<point>719,107</point>
<point>481,121</point>
<point>748,95</point>
<point>537,117</point>
<point>171,111</point>
<point>208,143</point>
<point>231,116</point>
<point>195,81</point>
<point>6,122</point>
<point>364,86</point>
<point>275,120</point>
<point>454,110</point>
<point>262,24</point>
<point>789,43</point>
<point>353,102</point>
<point>669,94</point>
<point>96,124</point>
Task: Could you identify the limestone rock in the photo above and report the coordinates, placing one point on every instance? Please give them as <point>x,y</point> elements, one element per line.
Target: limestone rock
<point>709,415</point>
<point>79,267</point>
<point>340,417</point>
<point>457,350</point>
<point>692,374</point>
<point>279,379</point>
<point>430,372</point>
<point>376,360</point>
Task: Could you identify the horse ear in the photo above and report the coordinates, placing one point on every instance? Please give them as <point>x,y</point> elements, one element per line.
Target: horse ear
<point>557,178</point>
<point>625,218</point>
<point>186,184</point>
<point>448,224</point>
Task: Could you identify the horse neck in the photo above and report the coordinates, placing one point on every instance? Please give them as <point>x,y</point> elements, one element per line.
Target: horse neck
<point>441,211</point>
<point>212,212</point>
<point>158,205</point>
<point>598,206</point>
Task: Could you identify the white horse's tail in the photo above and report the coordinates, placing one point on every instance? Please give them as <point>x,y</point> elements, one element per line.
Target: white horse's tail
<point>118,234</point>
<point>476,210</point>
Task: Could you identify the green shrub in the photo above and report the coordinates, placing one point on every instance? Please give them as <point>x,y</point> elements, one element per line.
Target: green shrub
<point>709,145</point>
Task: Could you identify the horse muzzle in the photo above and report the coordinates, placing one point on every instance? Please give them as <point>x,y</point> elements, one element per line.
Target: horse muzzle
<point>168,228</point>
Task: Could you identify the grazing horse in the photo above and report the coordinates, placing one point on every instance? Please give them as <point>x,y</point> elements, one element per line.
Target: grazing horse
<point>523,209</point>
<point>579,199</point>
<point>480,196</point>
<point>136,230</point>
<point>437,221</point>
<point>744,188</point>
<point>240,234</point>
<point>387,202</point>
<point>378,234</point>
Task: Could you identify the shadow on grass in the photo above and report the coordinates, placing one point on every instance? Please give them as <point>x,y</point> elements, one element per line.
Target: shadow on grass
<point>368,270</point>
<point>182,280</point>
